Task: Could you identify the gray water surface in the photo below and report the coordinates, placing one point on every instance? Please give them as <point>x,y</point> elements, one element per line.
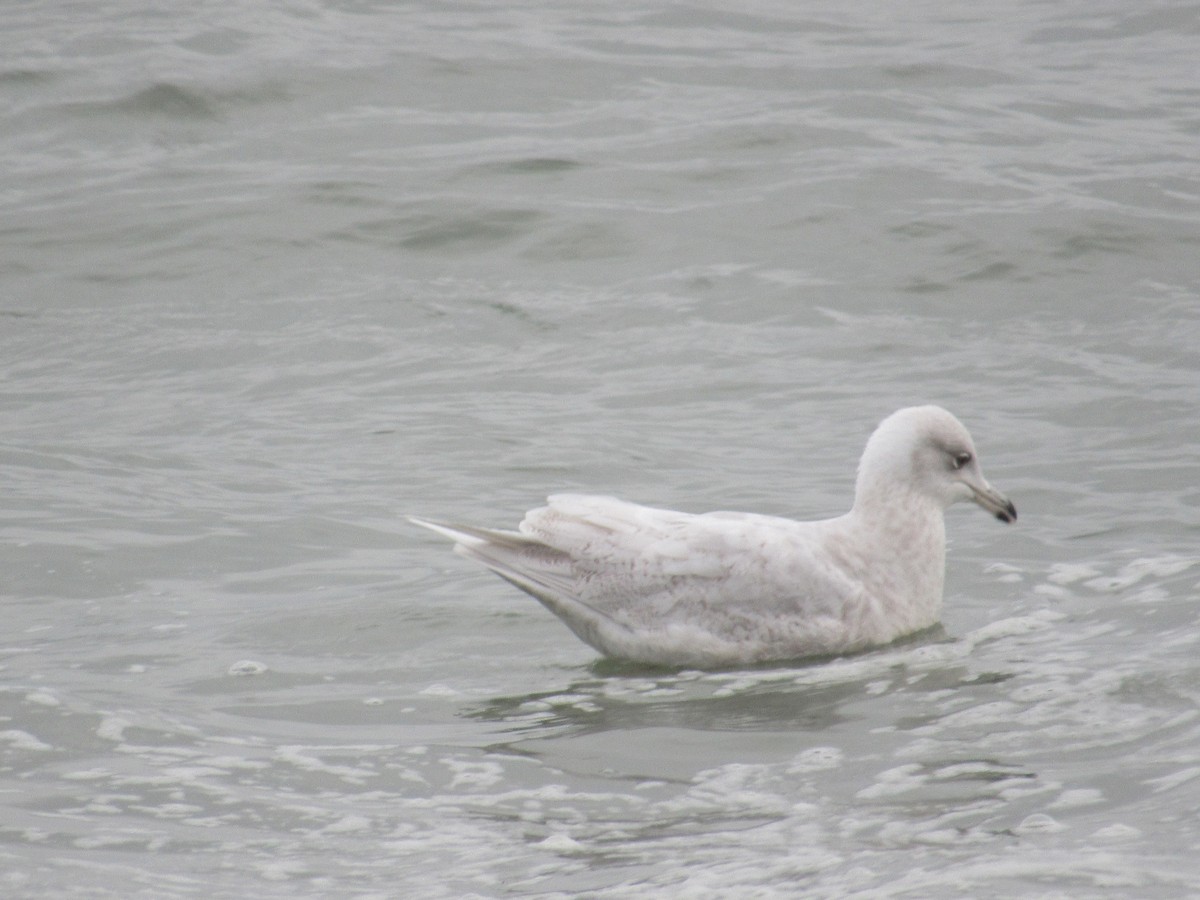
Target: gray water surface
<point>273,276</point>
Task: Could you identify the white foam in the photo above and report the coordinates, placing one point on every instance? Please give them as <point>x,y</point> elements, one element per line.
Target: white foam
<point>23,740</point>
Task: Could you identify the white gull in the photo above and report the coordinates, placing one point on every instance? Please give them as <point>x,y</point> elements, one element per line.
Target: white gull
<point>729,588</point>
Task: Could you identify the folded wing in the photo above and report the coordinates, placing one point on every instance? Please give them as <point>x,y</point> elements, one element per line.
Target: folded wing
<point>620,574</point>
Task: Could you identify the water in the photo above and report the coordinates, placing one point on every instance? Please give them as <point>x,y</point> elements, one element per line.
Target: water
<point>273,276</point>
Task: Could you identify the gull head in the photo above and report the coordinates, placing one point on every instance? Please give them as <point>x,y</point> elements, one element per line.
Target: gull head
<point>926,452</point>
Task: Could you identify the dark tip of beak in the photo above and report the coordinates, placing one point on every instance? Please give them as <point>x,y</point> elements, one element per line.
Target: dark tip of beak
<point>1008,514</point>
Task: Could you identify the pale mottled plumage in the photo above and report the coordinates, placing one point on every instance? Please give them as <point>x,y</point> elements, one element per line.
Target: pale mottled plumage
<point>727,588</point>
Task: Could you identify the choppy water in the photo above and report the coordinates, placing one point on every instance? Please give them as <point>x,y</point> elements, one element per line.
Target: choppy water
<point>273,275</point>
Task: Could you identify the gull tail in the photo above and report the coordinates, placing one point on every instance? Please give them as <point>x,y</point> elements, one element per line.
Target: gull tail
<point>537,569</point>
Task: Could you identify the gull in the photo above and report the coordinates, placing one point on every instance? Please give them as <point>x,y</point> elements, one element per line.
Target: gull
<point>725,589</point>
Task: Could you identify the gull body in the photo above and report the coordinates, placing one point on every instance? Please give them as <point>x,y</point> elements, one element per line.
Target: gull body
<point>723,588</point>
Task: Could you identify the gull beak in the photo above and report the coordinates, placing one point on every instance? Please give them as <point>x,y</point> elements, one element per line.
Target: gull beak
<point>993,501</point>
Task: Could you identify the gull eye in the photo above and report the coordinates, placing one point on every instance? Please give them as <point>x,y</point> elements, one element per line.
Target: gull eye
<point>961,459</point>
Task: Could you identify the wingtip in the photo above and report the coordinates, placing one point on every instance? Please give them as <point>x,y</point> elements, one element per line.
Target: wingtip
<point>438,528</point>
<point>467,536</point>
